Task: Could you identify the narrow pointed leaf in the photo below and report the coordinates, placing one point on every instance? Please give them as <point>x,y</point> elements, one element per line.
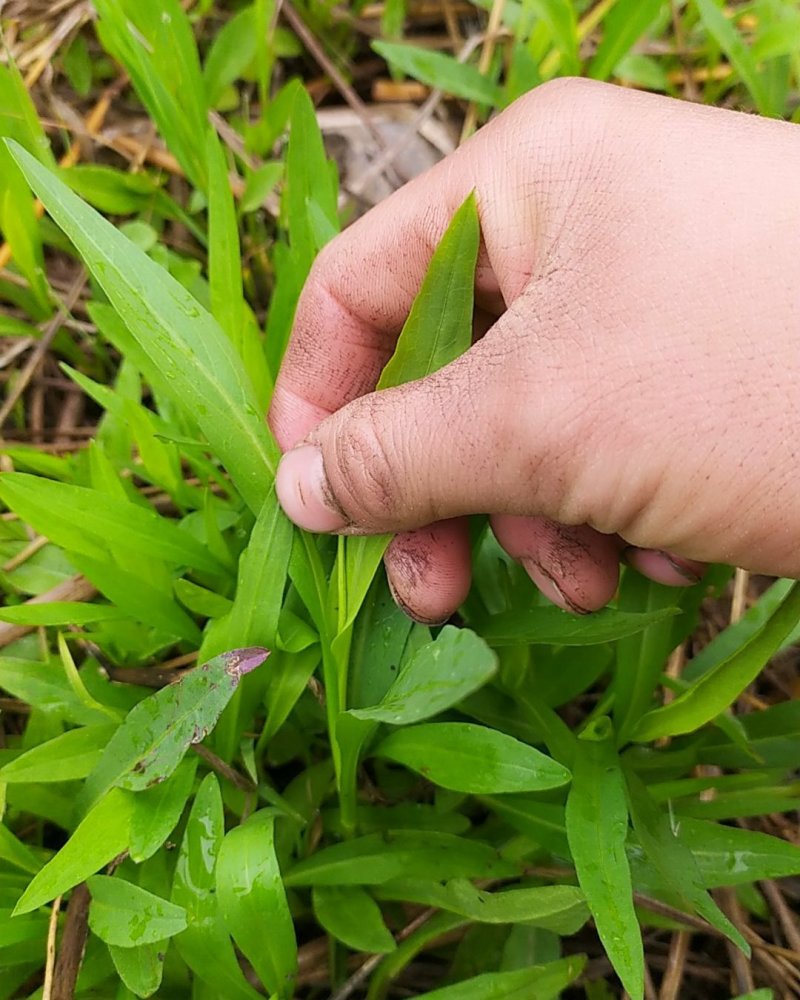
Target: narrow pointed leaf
<point>126,915</point>
<point>537,982</point>
<point>439,326</point>
<point>349,914</point>
<point>100,837</point>
<point>205,945</point>
<point>468,758</point>
<point>438,676</point>
<point>378,858</point>
<point>597,828</point>
<point>156,734</point>
<point>180,339</point>
<point>715,690</point>
<point>253,903</point>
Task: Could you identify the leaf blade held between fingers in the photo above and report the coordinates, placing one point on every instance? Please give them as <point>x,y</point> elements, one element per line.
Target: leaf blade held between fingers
<point>439,326</point>
<point>179,337</point>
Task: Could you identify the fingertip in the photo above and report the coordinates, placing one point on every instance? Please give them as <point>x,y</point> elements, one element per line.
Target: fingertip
<point>428,570</point>
<point>664,567</point>
<point>574,566</point>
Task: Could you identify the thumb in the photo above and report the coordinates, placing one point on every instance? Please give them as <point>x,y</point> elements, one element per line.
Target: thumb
<point>446,445</point>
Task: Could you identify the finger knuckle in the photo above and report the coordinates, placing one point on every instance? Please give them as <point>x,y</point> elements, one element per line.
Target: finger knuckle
<point>362,467</point>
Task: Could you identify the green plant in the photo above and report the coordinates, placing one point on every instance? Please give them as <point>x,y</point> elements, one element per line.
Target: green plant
<point>374,780</point>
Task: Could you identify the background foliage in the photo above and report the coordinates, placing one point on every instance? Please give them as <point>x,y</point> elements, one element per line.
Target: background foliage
<point>338,802</point>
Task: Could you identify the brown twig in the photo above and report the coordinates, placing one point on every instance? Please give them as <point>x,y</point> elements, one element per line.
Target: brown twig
<point>310,41</point>
<point>676,966</point>
<point>485,61</point>
<point>43,345</point>
<point>365,970</point>
<point>50,952</point>
<point>73,942</point>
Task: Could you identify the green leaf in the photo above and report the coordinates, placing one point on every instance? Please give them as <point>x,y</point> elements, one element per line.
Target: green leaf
<point>126,915</point>
<point>556,627</point>
<point>597,828</point>
<point>730,855</point>
<point>139,598</point>
<point>438,676</point>
<point>625,24</point>
<point>674,860</point>
<point>440,70</point>
<point>263,569</point>
<point>45,685</point>
<point>87,521</point>
<point>60,613</point>
<point>111,191</point>
<point>156,810</point>
<point>153,40</point>
<point>67,757</point>
<point>537,982</point>
<point>735,635</point>
<point>205,945</point>
<point>641,657</point>
<point>151,742</point>
<point>378,858</point>
<point>716,689</point>
<point>98,839</point>
<point>140,968</point>
<point>232,50</point>
<point>183,344</point>
<point>16,853</point>
<point>224,257</point>
<point>469,758</point>
<point>734,47</point>
<point>19,119</point>
<point>349,914</point>
<point>253,902</point>
<point>439,326</point>
<point>559,908</point>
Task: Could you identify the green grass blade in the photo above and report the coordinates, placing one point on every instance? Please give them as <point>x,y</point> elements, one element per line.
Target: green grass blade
<point>152,741</point>
<point>555,627</point>
<point>625,24</point>
<point>440,70</point>
<point>733,45</point>
<point>179,337</point>
<point>224,258</point>
<point>715,690</point>
<point>153,40</point>
<point>349,914</point>
<point>85,520</point>
<point>559,908</point>
<point>597,828</point>
<point>378,858</point>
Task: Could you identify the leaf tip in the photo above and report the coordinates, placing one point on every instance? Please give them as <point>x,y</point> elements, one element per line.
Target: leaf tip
<point>241,661</point>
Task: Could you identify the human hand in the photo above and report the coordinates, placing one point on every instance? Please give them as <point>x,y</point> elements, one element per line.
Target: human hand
<point>637,390</point>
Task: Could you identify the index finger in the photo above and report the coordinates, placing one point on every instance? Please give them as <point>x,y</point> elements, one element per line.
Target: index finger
<point>357,298</point>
